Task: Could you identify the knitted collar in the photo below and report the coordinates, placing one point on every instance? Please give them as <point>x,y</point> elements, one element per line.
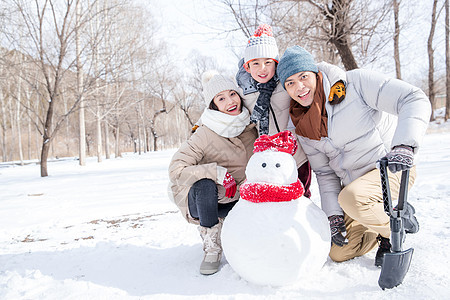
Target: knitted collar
<point>258,192</point>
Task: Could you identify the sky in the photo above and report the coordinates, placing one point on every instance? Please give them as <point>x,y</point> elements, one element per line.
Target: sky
<point>109,231</point>
<point>183,27</point>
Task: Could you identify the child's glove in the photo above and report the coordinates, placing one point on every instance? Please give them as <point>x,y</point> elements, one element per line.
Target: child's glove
<point>338,230</point>
<point>400,158</point>
<point>230,185</point>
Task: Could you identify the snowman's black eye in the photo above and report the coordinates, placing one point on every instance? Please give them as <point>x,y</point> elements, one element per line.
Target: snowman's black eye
<point>264,165</point>
<point>277,165</point>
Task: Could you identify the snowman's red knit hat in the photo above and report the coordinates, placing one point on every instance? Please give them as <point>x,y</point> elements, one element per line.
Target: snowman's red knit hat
<point>282,142</point>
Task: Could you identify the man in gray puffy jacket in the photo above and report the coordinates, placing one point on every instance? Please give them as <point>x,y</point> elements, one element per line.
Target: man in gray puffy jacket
<point>344,130</point>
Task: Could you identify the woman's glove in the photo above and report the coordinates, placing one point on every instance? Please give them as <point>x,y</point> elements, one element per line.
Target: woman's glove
<point>230,185</point>
<point>400,158</point>
<point>338,231</point>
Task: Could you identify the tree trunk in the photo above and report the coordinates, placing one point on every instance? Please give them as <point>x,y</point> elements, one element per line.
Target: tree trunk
<point>82,126</point>
<point>147,139</point>
<point>98,139</point>
<point>44,157</point>
<point>107,152</point>
<point>18,121</point>
<point>144,135</point>
<point>67,127</point>
<point>13,128</point>
<point>38,136</point>
<point>336,15</point>
<point>431,91</point>
<point>345,53</point>
<point>19,125</point>
<point>46,139</point>
<point>117,142</point>
<point>98,121</point>
<point>447,59</point>
<point>396,40</point>
<point>138,122</point>
<point>155,142</point>
<point>4,158</point>
<point>29,125</point>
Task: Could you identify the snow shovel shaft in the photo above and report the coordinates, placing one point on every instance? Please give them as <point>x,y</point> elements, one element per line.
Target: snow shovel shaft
<point>395,264</point>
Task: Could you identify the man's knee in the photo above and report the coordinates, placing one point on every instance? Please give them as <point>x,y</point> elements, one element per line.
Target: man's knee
<point>340,254</point>
<point>347,198</point>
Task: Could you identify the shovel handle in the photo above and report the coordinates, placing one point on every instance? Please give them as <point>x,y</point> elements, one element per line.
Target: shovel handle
<point>385,186</point>
<point>402,197</point>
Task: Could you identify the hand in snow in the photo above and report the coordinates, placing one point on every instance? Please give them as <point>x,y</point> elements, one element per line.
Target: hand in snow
<point>401,158</point>
<point>230,185</point>
<point>338,231</point>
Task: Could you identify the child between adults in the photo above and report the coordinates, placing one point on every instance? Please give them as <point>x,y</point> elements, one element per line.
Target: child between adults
<point>266,98</point>
<point>207,170</point>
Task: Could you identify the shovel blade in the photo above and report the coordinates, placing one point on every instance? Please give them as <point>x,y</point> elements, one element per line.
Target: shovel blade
<point>394,268</point>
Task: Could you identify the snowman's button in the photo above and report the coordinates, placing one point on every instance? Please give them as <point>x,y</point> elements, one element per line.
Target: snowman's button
<point>278,165</point>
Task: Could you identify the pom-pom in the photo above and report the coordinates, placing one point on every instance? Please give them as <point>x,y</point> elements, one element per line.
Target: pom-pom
<point>208,75</point>
<point>263,29</point>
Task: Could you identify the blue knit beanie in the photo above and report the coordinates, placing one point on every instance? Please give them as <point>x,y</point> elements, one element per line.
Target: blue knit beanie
<point>294,60</point>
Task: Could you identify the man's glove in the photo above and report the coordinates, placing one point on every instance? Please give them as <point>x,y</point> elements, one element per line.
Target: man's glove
<point>338,231</point>
<point>230,185</point>
<point>400,158</point>
<point>337,93</point>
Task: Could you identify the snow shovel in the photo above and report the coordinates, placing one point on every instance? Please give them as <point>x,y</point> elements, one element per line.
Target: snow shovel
<point>395,264</point>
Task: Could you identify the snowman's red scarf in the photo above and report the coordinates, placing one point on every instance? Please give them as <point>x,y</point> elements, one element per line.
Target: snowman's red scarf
<point>265,192</point>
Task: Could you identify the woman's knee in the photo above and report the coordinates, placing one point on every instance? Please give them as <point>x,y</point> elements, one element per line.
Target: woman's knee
<point>204,183</point>
<point>204,191</point>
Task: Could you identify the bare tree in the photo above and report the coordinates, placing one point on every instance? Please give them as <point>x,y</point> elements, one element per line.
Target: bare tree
<point>338,32</point>
<point>18,119</point>
<point>52,58</point>
<point>447,59</point>
<point>431,83</point>
<point>396,4</point>
<point>80,96</point>
<point>3,126</point>
<point>54,37</point>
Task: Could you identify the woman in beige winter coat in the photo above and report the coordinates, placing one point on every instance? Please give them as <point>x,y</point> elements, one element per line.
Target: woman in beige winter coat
<point>207,170</point>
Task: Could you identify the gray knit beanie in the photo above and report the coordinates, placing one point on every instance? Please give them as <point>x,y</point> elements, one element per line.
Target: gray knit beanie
<point>214,83</point>
<point>294,60</point>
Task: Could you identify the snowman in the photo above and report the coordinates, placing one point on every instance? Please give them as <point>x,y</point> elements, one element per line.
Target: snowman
<point>273,235</point>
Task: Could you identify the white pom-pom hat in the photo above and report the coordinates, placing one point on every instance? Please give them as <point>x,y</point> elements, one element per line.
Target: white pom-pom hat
<point>261,44</point>
<point>214,83</point>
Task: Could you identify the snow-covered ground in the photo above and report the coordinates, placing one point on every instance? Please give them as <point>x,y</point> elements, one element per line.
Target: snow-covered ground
<point>109,231</point>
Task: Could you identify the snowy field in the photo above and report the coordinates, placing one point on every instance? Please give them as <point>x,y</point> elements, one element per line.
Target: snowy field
<point>109,231</point>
